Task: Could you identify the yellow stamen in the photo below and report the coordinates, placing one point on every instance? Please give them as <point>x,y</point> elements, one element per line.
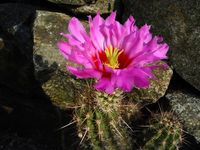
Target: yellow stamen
<point>112,55</point>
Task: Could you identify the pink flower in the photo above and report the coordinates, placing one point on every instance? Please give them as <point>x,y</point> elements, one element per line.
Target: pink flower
<point>118,56</point>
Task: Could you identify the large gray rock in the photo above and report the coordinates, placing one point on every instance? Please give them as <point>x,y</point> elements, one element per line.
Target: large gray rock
<point>178,22</point>
<point>187,108</point>
<point>89,6</point>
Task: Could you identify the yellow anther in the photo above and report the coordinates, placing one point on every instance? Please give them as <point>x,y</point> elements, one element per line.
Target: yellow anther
<point>112,55</point>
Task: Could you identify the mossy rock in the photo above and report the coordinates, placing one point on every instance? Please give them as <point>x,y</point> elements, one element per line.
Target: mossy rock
<point>69,2</point>
<point>157,88</point>
<point>89,6</point>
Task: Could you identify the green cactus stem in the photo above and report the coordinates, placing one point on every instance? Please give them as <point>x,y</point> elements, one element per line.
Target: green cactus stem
<point>167,133</point>
<point>101,124</point>
<point>109,102</point>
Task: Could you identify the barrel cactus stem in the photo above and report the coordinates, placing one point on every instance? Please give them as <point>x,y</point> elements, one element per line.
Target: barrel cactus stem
<point>167,132</point>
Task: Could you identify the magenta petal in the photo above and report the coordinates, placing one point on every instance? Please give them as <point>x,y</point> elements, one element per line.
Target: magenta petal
<point>148,71</point>
<point>127,79</point>
<point>118,32</point>
<point>107,33</point>
<point>65,49</point>
<point>95,33</point>
<point>104,84</point>
<point>84,73</point>
<point>130,24</point>
<point>141,78</point>
<point>74,42</point>
<point>125,86</point>
<point>141,82</point>
<point>137,40</point>
<point>145,34</point>
<point>133,45</point>
<point>76,29</point>
<point>141,38</point>
<point>110,19</point>
<point>162,51</point>
<point>151,57</point>
<point>80,58</point>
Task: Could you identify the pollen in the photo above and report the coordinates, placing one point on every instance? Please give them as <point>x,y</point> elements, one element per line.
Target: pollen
<point>112,55</point>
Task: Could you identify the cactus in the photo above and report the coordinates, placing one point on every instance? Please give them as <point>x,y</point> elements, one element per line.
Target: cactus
<point>102,132</point>
<point>100,122</point>
<point>166,133</point>
<point>103,120</point>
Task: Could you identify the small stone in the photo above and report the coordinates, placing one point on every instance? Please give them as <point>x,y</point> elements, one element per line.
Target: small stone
<point>157,88</point>
<point>1,43</point>
<point>69,2</point>
<point>7,109</point>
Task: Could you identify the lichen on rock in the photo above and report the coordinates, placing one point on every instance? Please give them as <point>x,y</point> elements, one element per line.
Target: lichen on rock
<point>187,108</point>
<point>157,88</point>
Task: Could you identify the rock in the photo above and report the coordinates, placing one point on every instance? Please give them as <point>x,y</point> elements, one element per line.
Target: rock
<point>7,109</point>
<point>178,22</point>
<point>89,6</point>
<point>100,5</point>
<point>16,65</point>
<point>187,108</point>
<point>72,2</point>
<point>46,31</point>
<point>156,89</point>
<point>50,66</point>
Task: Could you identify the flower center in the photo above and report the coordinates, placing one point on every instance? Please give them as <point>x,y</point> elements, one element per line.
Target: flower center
<point>113,58</point>
<point>112,55</point>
